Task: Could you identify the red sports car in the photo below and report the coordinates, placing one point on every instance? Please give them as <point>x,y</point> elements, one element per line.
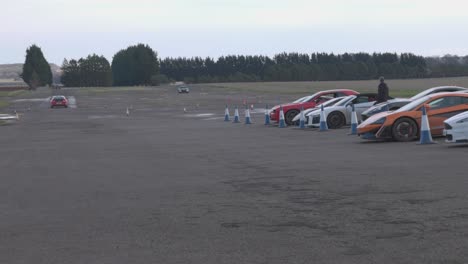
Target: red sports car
<point>58,100</point>
<point>292,109</point>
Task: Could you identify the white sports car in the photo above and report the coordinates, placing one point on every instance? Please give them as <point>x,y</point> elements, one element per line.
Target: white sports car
<point>456,128</point>
<point>307,111</point>
<point>339,114</point>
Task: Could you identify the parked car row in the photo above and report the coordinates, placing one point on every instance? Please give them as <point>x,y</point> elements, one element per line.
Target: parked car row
<point>397,119</point>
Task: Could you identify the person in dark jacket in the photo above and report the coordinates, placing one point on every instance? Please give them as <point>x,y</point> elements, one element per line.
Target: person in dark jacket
<point>382,92</point>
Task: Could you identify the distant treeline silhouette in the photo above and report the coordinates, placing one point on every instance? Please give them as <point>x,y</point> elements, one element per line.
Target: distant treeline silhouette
<point>140,65</point>
<point>314,67</point>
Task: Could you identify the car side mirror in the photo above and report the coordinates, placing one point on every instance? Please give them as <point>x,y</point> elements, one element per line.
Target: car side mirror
<point>428,107</point>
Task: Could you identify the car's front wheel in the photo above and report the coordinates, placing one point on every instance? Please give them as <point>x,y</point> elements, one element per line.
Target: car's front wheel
<point>290,116</point>
<point>336,120</point>
<point>405,129</point>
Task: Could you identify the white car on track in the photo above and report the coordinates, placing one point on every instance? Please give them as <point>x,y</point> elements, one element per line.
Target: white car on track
<point>307,111</point>
<point>456,128</point>
<point>339,114</point>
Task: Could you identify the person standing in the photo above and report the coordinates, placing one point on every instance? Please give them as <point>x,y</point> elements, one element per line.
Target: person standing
<point>382,92</point>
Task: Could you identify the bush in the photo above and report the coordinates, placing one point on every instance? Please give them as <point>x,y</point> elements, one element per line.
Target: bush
<point>159,79</point>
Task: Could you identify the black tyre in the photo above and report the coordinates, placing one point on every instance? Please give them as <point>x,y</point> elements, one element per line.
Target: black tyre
<point>335,120</point>
<point>289,116</point>
<point>405,129</point>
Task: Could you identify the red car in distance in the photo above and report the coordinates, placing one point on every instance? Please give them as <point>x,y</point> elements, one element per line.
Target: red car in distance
<point>292,109</point>
<point>58,100</point>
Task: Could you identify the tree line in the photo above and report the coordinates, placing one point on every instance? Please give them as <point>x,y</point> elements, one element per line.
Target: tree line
<point>295,67</point>
<point>140,65</point>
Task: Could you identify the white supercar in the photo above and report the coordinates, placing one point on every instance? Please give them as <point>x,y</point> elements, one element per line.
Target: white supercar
<point>456,128</point>
<point>307,111</point>
<point>339,114</point>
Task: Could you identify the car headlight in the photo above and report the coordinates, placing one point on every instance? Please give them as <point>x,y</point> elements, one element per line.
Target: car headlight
<point>462,121</point>
<point>379,121</point>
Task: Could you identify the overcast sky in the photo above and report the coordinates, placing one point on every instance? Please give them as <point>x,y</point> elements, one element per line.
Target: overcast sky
<point>76,28</point>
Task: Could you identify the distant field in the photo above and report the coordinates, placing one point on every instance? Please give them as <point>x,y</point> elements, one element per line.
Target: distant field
<point>398,88</point>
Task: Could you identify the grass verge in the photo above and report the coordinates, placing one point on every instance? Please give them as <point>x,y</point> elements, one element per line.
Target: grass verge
<point>103,90</point>
<point>4,104</point>
<point>11,93</point>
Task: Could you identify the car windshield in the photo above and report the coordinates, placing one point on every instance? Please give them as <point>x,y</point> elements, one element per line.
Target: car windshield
<point>345,100</point>
<point>380,105</point>
<point>331,101</point>
<point>413,104</point>
<point>302,99</point>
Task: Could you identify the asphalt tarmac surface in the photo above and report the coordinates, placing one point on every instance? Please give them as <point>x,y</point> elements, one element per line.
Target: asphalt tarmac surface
<point>93,185</point>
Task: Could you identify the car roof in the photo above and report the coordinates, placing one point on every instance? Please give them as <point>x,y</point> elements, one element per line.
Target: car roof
<point>338,90</point>
<point>445,87</point>
<point>442,94</point>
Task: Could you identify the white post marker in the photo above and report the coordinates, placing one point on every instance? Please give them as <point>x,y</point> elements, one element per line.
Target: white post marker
<point>226,114</point>
<point>267,115</point>
<point>354,121</point>
<point>323,121</point>
<point>426,137</point>
<point>281,123</point>
<point>247,116</point>
<point>127,112</point>
<point>236,115</point>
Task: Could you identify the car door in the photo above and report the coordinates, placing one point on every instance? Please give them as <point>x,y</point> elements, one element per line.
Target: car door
<point>362,103</point>
<point>442,108</point>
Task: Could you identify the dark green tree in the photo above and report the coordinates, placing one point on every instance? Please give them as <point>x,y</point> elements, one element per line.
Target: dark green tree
<point>135,65</point>
<point>35,62</point>
<point>91,71</point>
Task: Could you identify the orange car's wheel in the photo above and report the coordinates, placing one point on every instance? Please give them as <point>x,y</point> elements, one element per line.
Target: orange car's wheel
<point>405,129</point>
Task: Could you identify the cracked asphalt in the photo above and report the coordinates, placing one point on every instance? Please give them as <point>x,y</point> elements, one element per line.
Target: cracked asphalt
<point>92,185</point>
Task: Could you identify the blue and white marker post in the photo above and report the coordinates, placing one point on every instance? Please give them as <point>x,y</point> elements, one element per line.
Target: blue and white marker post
<point>267,115</point>
<point>236,115</point>
<point>354,121</point>
<point>247,115</point>
<point>281,122</point>
<point>426,137</point>
<point>226,114</point>
<point>323,121</point>
<point>302,118</point>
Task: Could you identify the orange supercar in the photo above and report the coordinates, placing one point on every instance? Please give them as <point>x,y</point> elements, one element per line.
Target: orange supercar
<point>404,124</point>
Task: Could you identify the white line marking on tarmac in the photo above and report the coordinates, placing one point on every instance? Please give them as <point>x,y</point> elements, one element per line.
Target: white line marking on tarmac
<point>213,118</point>
<point>101,116</point>
<point>32,100</point>
<point>200,115</point>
